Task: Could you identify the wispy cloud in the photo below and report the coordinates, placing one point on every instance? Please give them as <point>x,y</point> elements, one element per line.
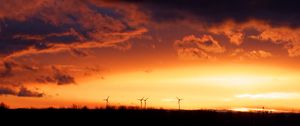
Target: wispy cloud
<point>22,92</point>
<point>241,54</point>
<point>50,27</point>
<point>192,47</point>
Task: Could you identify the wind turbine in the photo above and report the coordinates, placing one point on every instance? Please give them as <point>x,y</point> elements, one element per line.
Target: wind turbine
<point>179,101</point>
<point>141,100</point>
<point>106,100</point>
<point>145,102</point>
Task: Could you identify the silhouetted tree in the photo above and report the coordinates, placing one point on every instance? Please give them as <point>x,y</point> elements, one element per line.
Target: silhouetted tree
<point>85,108</point>
<point>74,106</point>
<point>3,106</point>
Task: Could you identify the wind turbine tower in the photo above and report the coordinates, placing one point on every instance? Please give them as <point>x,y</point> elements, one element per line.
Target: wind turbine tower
<point>107,102</point>
<point>179,101</point>
<point>145,102</point>
<point>141,101</point>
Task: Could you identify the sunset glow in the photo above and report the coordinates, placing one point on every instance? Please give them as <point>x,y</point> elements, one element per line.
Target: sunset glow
<point>60,53</point>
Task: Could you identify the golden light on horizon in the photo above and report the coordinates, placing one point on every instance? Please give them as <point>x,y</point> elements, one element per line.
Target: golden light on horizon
<point>196,85</point>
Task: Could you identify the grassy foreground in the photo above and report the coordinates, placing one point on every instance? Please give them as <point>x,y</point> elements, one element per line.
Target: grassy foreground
<point>130,116</point>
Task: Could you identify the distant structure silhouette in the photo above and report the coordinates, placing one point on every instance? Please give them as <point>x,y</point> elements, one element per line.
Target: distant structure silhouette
<point>145,102</point>
<point>179,101</point>
<point>107,102</point>
<point>141,101</point>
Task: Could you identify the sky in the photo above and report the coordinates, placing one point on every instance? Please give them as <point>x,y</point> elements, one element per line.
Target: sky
<point>212,54</point>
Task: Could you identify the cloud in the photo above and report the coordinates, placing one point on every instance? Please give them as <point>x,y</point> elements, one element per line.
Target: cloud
<point>38,27</point>
<point>30,67</point>
<point>94,70</point>
<point>98,24</point>
<point>206,43</point>
<point>263,31</point>
<point>191,47</point>
<point>286,12</point>
<point>259,54</point>
<point>24,9</point>
<point>7,69</point>
<point>230,30</point>
<point>63,79</point>
<point>54,48</point>
<point>133,13</point>
<point>45,79</point>
<point>50,37</point>
<point>193,54</point>
<point>78,52</point>
<point>65,24</point>
<point>288,37</point>
<point>19,74</point>
<point>236,19</point>
<point>272,95</point>
<point>7,91</point>
<point>24,72</point>
<point>22,92</point>
<point>59,77</point>
<point>253,54</point>
<point>10,68</point>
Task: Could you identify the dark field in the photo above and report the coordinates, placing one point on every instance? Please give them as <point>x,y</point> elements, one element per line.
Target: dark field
<point>146,117</point>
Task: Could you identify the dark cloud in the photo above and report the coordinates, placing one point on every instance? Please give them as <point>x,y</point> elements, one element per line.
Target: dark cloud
<point>45,27</point>
<point>78,52</point>
<point>7,91</point>
<point>30,68</point>
<point>62,78</point>
<point>46,24</point>
<point>22,35</point>
<point>12,73</point>
<point>206,43</point>
<point>11,82</point>
<point>16,74</point>
<point>277,12</point>
<point>58,76</point>
<point>7,69</point>
<point>9,66</point>
<point>23,92</point>
<point>194,48</point>
<point>45,79</point>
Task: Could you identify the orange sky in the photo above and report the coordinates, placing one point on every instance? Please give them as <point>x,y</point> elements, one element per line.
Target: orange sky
<point>59,53</point>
